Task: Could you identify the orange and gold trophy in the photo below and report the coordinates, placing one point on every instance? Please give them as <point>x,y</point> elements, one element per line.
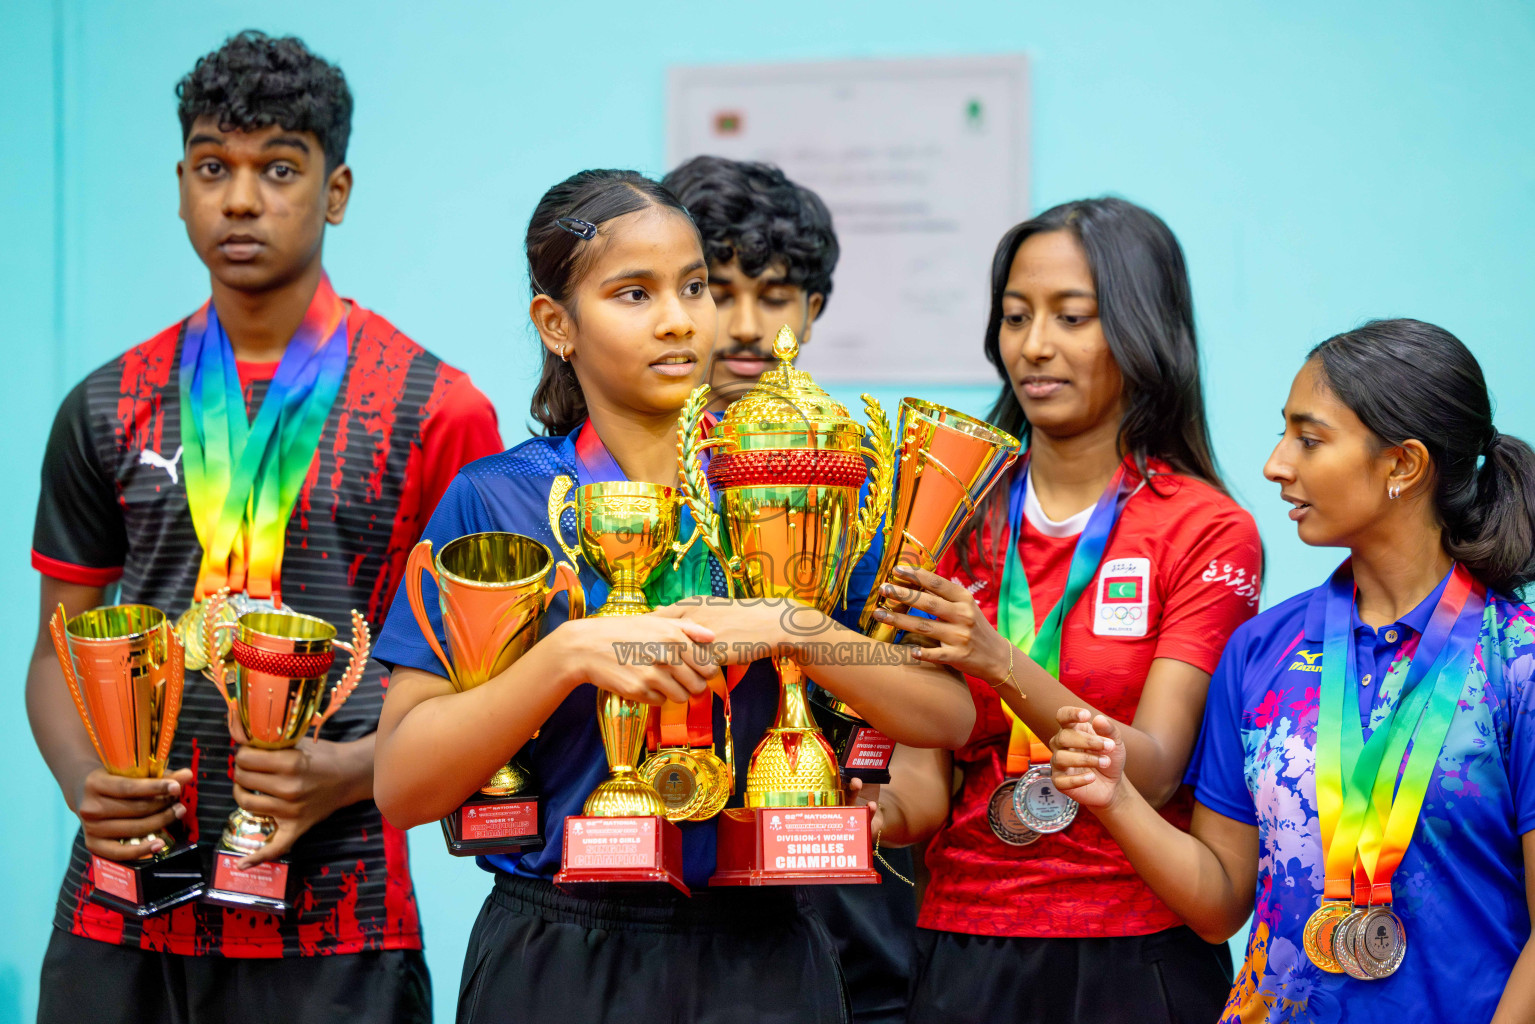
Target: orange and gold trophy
<point>788,465</point>
<point>124,667</point>
<point>946,463</point>
<point>624,531</point>
<point>492,590</point>
<point>277,668</point>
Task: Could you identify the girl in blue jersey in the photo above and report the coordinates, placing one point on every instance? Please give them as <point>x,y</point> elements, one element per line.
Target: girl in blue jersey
<point>622,306</point>
<point>1366,772</point>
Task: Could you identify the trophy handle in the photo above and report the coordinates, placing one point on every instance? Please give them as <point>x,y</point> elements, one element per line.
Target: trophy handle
<point>557,506</point>
<point>358,649</point>
<point>566,579</point>
<point>882,478</point>
<point>420,561</point>
<point>175,683</point>
<point>213,610</point>
<point>679,548</point>
<point>67,663</point>
<point>690,477</point>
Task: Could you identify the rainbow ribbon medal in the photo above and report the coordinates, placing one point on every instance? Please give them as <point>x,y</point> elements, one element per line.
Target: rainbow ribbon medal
<point>1366,816</point>
<point>243,477</point>
<point>1034,802</point>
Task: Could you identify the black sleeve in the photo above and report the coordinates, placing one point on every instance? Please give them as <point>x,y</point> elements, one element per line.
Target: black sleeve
<point>80,536</point>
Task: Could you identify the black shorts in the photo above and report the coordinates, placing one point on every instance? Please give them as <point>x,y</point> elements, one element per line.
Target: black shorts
<point>86,980</point>
<point>725,956</point>
<point>1172,976</point>
<point>875,930</point>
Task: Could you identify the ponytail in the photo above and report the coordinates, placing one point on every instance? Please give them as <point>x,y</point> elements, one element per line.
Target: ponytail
<point>1484,481</point>
<point>1496,538</point>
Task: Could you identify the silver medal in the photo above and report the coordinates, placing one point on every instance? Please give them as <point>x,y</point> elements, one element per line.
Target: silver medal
<point>1039,805</point>
<point>1003,819</point>
<point>1380,942</point>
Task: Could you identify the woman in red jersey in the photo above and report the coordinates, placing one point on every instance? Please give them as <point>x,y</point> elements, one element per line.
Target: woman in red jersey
<point>1110,569</point>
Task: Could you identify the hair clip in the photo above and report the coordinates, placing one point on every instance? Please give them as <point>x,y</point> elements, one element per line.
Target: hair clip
<point>580,228</point>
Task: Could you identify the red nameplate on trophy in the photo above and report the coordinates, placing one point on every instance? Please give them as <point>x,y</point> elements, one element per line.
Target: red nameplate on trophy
<point>114,879</point>
<point>618,850</point>
<point>493,824</point>
<point>262,887</point>
<point>149,886</point>
<point>869,749</point>
<point>795,846</point>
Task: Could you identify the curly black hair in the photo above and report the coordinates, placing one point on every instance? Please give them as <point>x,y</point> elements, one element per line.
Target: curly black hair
<point>254,80</point>
<point>752,213</point>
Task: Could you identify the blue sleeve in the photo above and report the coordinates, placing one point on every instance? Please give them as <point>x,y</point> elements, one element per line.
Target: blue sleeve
<point>1218,769</point>
<point>1519,676</point>
<point>401,642</point>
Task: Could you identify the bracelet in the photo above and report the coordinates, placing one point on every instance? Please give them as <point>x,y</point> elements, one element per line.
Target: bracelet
<point>1011,650</point>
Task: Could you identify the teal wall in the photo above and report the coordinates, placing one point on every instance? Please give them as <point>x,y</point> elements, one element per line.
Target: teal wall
<point>1321,162</point>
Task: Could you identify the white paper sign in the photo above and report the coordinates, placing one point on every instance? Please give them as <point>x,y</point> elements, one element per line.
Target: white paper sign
<point>923,163</point>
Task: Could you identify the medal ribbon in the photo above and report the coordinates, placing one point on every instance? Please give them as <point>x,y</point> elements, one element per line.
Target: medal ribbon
<point>690,724</point>
<point>242,476</point>
<point>1355,776</point>
<point>1015,611</point>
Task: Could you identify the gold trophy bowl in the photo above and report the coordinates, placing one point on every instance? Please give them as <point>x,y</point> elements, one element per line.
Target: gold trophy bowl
<point>624,531</point>
<point>125,669</point>
<point>788,465</point>
<point>492,590</point>
<point>946,464</point>
<point>281,663</point>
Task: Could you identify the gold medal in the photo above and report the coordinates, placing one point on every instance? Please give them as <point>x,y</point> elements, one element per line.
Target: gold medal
<point>694,784</point>
<point>717,790</point>
<point>1318,935</point>
<point>189,627</point>
<point>1003,817</point>
<point>681,778</point>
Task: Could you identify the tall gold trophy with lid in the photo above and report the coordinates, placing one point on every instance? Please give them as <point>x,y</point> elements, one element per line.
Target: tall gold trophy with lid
<point>786,468</point>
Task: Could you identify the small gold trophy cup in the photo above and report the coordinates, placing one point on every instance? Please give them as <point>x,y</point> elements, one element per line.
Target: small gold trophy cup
<point>281,662</point>
<point>124,668</point>
<point>624,531</point>
<point>946,464</point>
<point>492,590</point>
<point>788,467</point>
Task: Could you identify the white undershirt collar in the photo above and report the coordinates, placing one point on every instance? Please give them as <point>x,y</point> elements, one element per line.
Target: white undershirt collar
<point>1068,527</point>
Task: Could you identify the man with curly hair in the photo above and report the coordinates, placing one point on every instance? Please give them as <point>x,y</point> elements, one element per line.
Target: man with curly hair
<point>771,252</point>
<point>288,445</point>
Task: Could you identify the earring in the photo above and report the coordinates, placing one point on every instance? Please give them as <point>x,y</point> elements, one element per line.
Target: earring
<point>1394,491</point>
<point>564,350</point>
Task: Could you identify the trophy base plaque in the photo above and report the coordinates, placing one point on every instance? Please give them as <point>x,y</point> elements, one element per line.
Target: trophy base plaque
<point>621,851</point>
<point>147,887</point>
<point>268,886</point>
<point>863,752</point>
<point>493,824</point>
<point>795,846</point>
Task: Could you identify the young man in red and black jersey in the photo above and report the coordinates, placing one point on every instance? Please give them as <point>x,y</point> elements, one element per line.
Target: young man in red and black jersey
<point>265,126</point>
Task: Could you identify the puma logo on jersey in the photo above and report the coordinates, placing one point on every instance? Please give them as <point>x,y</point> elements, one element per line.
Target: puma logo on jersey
<point>154,458</point>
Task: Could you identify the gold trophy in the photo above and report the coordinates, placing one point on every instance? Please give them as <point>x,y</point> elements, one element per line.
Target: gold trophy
<point>946,464</point>
<point>788,466</point>
<point>492,590</point>
<point>624,531</point>
<point>124,668</point>
<point>282,661</point>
